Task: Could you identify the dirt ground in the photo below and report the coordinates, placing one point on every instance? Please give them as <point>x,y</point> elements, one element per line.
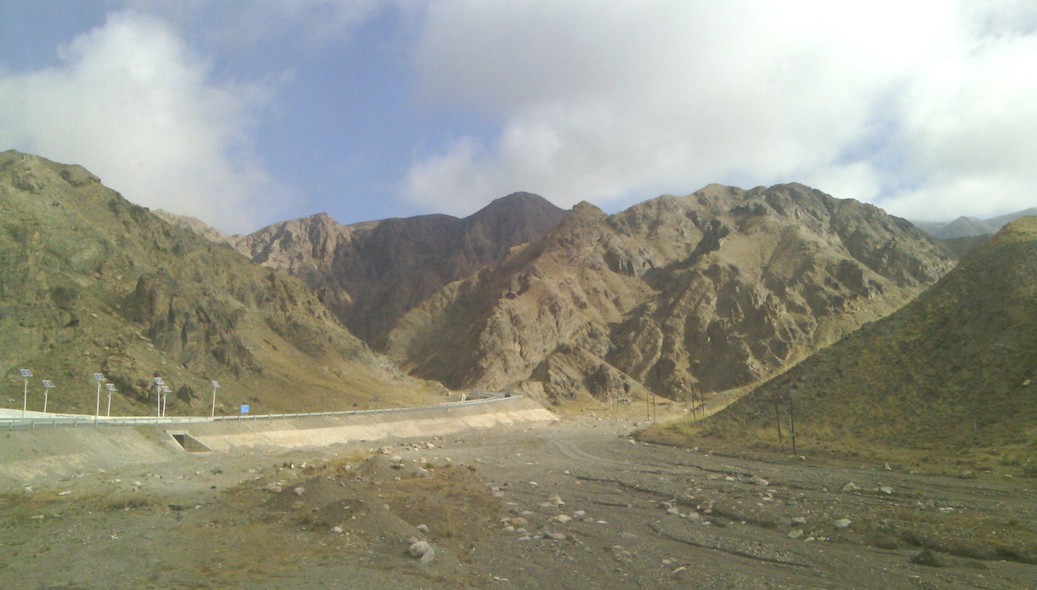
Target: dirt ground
<point>577,504</point>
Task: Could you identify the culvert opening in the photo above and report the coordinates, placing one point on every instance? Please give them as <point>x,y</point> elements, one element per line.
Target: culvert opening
<point>188,442</point>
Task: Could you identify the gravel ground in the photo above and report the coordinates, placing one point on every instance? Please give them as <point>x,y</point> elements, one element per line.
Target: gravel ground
<point>577,504</point>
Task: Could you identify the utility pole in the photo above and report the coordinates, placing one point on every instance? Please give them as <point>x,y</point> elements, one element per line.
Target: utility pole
<point>792,419</point>
<point>777,418</point>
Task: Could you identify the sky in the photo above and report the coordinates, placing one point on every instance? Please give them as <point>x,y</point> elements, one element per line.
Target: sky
<point>246,113</point>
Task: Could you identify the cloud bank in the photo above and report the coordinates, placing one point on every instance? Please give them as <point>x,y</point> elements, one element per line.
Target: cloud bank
<point>927,109</point>
<point>131,102</point>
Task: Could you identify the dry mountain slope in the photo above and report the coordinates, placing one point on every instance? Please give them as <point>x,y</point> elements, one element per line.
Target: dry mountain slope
<point>953,370</point>
<point>372,273</point>
<point>90,282</point>
<point>714,290</point>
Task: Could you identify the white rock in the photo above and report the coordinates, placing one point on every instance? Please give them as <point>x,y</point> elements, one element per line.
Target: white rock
<point>795,534</point>
<point>428,556</point>
<point>419,548</point>
<point>843,523</point>
<point>851,487</point>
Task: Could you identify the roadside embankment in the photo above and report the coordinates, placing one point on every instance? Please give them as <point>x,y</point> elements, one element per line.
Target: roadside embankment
<point>408,423</point>
<point>29,455</point>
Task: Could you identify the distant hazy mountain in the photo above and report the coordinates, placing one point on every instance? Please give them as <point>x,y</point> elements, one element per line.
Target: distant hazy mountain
<point>964,227</point>
<point>714,290</point>
<point>90,282</point>
<point>954,369</point>
<point>372,273</point>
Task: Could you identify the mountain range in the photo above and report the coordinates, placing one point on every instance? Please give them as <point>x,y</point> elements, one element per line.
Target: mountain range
<point>709,291</point>
<point>718,289</point>
<point>970,227</point>
<point>371,273</point>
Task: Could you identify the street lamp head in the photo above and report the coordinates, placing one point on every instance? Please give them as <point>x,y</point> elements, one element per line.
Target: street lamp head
<point>159,381</point>
<point>110,387</point>
<point>48,384</point>
<point>215,384</point>
<point>26,373</point>
<point>98,377</point>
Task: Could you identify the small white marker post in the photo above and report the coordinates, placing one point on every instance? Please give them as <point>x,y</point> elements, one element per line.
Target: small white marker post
<point>158,396</point>
<point>97,410</point>
<point>215,386</point>
<point>111,389</point>
<point>26,373</point>
<point>47,386</point>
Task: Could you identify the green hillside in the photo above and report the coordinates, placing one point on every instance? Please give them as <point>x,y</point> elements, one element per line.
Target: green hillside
<point>90,282</point>
<point>954,373</point>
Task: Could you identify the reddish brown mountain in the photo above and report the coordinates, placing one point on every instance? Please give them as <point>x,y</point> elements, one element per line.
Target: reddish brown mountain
<point>714,290</point>
<point>372,273</point>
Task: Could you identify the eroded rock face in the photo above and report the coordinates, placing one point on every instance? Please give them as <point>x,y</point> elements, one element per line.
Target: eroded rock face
<point>710,291</point>
<point>372,273</point>
<point>90,282</point>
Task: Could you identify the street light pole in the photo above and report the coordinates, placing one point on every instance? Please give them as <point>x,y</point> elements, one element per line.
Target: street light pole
<point>47,386</point>
<point>165,394</point>
<point>215,386</point>
<point>158,396</point>
<point>97,409</point>
<point>110,387</point>
<point>26,373</point>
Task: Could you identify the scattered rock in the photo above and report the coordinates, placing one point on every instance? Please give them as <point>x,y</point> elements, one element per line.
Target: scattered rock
<point>850,487</point>
<point>886,490</point>
<point>795,534</point>
<point>428,556</point>
<point>299,491</point>
<point>562,518</point>
<point>419,548</point>
<point>422,528</point>
<point>760,481</point>
<point>843,523</point>
<point>799,520</point>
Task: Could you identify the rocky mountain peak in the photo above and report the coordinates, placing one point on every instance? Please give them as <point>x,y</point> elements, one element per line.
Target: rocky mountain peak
<point>372,273</point>
<point>713,290</point>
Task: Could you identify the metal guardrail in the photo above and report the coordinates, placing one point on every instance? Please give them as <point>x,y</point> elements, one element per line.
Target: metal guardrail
<point>79,421</point>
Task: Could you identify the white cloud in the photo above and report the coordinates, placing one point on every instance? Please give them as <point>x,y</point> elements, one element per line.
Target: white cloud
<point>133,103</point>
<point>912,105</point>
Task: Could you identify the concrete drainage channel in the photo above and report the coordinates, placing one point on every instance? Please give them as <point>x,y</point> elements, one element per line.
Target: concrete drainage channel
<point>188,442</point>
